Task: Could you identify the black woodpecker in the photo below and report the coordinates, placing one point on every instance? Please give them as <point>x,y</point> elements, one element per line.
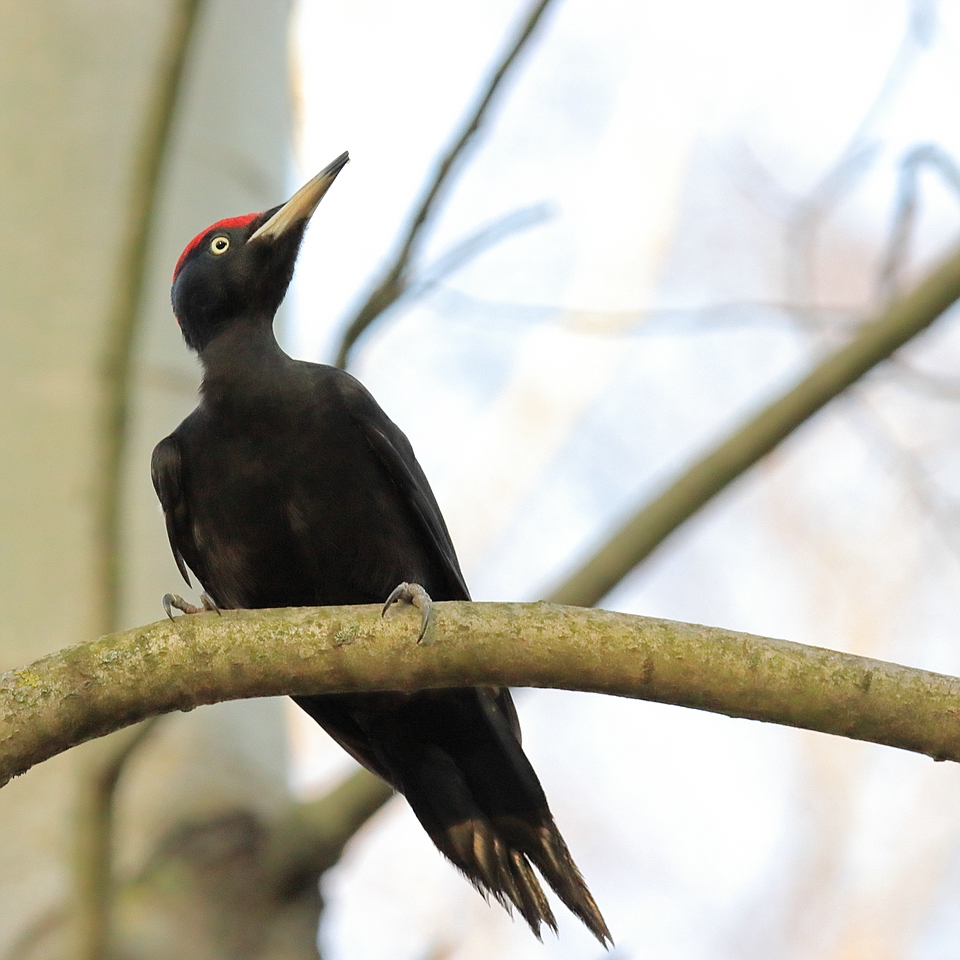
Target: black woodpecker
<point>289,486</point>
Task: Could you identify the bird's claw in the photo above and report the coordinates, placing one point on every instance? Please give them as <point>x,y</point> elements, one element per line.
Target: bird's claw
<point>173,601</point>
<point>209,603</point>
<point>414,594</point>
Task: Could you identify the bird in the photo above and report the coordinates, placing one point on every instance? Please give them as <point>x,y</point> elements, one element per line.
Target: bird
<point>288,485</point>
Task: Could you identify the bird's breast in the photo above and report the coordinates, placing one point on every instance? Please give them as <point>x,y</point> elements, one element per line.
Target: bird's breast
<point>295,512</point>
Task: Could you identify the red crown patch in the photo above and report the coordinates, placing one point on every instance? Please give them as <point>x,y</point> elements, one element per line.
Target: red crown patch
<point>220,224</point>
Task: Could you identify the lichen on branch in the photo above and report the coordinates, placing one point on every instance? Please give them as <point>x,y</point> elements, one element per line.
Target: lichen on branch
<point>94,688</point>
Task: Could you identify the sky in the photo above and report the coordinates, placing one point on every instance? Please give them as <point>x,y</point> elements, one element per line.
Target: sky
<point>714,187</point>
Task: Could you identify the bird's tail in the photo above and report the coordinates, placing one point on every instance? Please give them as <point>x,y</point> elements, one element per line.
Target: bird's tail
<point>477,796</point>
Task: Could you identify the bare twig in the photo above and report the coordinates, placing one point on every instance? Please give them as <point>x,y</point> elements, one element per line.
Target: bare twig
<point>937,159</point>
<point>942,511</point>
<point>654,522</point>
<point>131,273</point>
<point>681,320</point>
<point>311,838</point>
<point>396,279</point>
<point>94,688</point>
<point>857,157</point>
<point>470,247</point>
<point>93,839</point>
<point>96,794</point>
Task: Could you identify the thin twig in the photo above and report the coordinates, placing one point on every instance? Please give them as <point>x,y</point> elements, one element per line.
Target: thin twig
<point>858,156</point>
<point>481,239</point>
<point>93,840</point>
<point>819,319</point>
<point>396,278</point>
<point>926,155</point>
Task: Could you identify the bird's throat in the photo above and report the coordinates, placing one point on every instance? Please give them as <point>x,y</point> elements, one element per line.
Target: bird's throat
<point>243,364</point>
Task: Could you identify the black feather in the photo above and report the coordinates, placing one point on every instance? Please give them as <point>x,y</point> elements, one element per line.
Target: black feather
<point>289,486</point>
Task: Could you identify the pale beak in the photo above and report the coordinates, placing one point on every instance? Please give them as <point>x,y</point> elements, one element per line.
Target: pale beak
<point>302,204</point>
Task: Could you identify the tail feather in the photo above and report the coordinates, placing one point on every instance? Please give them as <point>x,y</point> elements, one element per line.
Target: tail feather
<point>535,904</point>
<point>490,818</point>
<point>496,870</point>
<point>552,858</point>
<point>456,756</point>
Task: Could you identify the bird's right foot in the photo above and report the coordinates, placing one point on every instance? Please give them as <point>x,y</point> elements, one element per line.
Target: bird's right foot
<point>414,594</point>
<point>173,601</point>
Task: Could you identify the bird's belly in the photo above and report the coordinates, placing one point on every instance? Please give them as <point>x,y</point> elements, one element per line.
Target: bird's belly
<point>299,538</point>
<point>245,558</point>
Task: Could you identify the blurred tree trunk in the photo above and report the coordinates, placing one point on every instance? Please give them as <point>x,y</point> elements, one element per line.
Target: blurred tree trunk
<point>77,81</point>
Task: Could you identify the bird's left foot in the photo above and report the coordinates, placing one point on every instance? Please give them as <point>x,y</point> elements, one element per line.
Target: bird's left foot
<point>173,601</point>
<point>414,594</point>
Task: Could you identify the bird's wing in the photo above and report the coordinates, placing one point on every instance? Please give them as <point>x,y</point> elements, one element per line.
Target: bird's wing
<point>167,474</point>
<point>396,454</point>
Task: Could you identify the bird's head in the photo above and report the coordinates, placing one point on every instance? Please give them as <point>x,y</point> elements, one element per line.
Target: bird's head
<point>242,267</point>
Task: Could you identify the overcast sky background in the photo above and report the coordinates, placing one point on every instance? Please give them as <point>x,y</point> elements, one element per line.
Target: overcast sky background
<point>564,376</point>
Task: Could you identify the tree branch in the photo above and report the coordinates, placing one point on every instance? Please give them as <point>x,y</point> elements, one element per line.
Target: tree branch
<point>876,340</point>
<point>252,878</point>
<point>91,689</point>
<point>395,280</point>
<point>310,839</point>
<point>97,784</point>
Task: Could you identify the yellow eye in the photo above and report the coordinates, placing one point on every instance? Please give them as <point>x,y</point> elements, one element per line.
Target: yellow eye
<point>219,245</point>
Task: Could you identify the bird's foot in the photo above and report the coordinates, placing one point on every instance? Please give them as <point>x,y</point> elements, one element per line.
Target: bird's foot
<point>414,594</point>
<point>173,601</point>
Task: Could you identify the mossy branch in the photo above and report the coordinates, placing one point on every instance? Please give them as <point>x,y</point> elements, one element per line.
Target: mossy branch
<point>91,689</point>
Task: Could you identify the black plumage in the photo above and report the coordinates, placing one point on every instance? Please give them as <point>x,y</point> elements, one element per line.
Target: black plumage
<point>289,486</point>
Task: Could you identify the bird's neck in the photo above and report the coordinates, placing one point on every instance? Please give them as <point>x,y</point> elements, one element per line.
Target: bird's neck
<point>243,363</point>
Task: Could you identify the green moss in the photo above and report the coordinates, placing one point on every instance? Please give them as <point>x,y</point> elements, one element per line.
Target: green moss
<point>28,679</point>
<point>346,633</point>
